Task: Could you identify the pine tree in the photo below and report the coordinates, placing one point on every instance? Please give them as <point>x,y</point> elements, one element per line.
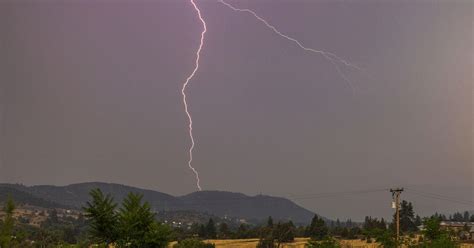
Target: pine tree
<point>266,237</point>
<point>133,226</point>
<point>223,230</point>
<point>457,217</point>
<point>383,224</point>
<point>6,229</point>
<point>466,216</point>
<point>407,217</point>
<point>242,232</point>
<point>102,217</point>
<point>349,223</point>
<point>270,222</point>
<point>317,230</point>
<point>136,221</point>
<point>284,232</point>
<point>418,221</point>
<point>211,229</point>
<point>345,232</point>
<point>202,232</point>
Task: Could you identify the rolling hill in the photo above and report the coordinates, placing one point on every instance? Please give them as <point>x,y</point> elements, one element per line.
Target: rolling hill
<point>22,197</point>
<point>219,203</point>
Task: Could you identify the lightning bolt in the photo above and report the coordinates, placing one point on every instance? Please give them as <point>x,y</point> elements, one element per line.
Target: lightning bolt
<point>331,57</point>
<point>183,92</point>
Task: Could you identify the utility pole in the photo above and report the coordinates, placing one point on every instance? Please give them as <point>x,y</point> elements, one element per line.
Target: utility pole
<point>396,197</point>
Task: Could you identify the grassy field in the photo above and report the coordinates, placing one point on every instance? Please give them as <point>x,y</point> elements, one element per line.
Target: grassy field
<point>299,243</point>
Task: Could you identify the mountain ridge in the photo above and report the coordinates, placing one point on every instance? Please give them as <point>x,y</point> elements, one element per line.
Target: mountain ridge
<point>220,203</point>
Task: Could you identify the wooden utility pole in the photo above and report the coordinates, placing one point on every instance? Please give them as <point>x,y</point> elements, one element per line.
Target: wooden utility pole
<point>396,197</point>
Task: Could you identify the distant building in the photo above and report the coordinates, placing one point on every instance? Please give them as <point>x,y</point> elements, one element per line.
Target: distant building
<point>458,227</point>
<point>455,225</point>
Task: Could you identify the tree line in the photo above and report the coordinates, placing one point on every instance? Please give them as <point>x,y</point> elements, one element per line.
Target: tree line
<point>133,224</point>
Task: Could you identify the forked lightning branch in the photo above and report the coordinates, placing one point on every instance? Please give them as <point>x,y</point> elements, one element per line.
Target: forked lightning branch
<point>338,63</point>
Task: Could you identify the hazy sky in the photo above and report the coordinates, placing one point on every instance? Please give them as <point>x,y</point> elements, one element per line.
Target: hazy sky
<point>90,91</point>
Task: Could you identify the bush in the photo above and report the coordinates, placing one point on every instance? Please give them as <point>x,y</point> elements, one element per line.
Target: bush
<point>267,239</point>
<point>266,243</point>
<point>326,243</point>
<point>193,243</point>
<point>387,240</point>
<point>443,241</point>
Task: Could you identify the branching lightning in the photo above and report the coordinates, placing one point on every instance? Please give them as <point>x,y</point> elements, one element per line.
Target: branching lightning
<point>331,57</point>
<point>335,60</point>
<point>183,92</point>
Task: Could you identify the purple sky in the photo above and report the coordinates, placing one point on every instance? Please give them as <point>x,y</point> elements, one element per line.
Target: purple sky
<point>90,91</point>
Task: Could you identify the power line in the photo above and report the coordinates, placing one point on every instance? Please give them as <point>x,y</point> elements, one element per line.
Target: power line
<point>336,194</point>
<point>203,201</point>
<point>440,197</point>
<point>444,197</point>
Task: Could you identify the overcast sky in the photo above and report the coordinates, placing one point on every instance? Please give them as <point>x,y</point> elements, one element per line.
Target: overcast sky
<point>90,91</point>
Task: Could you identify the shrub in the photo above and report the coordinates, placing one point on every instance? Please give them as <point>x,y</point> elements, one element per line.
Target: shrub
<point>325,243</point>
<point>193,243</point>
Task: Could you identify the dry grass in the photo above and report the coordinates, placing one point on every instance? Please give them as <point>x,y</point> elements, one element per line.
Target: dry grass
<point>250,243</point>
<point>298,243</point>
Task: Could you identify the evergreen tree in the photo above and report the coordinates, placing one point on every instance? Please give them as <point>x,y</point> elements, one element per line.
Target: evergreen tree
<point>242,231</point>
<point>457,217</point>
<point>223,231</point>
<point>349,223</point>
<point>211,232</point>
<point>137,225</point>
<point>202,232</point>
<point>53,216</point>
<point>418,221</point>
<point>373,227</point>
<point>317,229</point>
<point>344,232</point>
<point>6,229</point>
<point>270,222</point>
<point>432,228</point>
<point>466,216</point>
<point>133,226</point>
<point>383,224</point>
<point>407,217</point>
<point>266,240</point>
<point>102,217</point>
<point>284,232</point>
<point>157,236</point>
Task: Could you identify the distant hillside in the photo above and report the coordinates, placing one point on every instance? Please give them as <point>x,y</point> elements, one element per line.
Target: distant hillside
<point>218,203</point>
<point>22,197</point>
<point>76,195</point>
<point>185,218</point>
<point>251,207</point>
